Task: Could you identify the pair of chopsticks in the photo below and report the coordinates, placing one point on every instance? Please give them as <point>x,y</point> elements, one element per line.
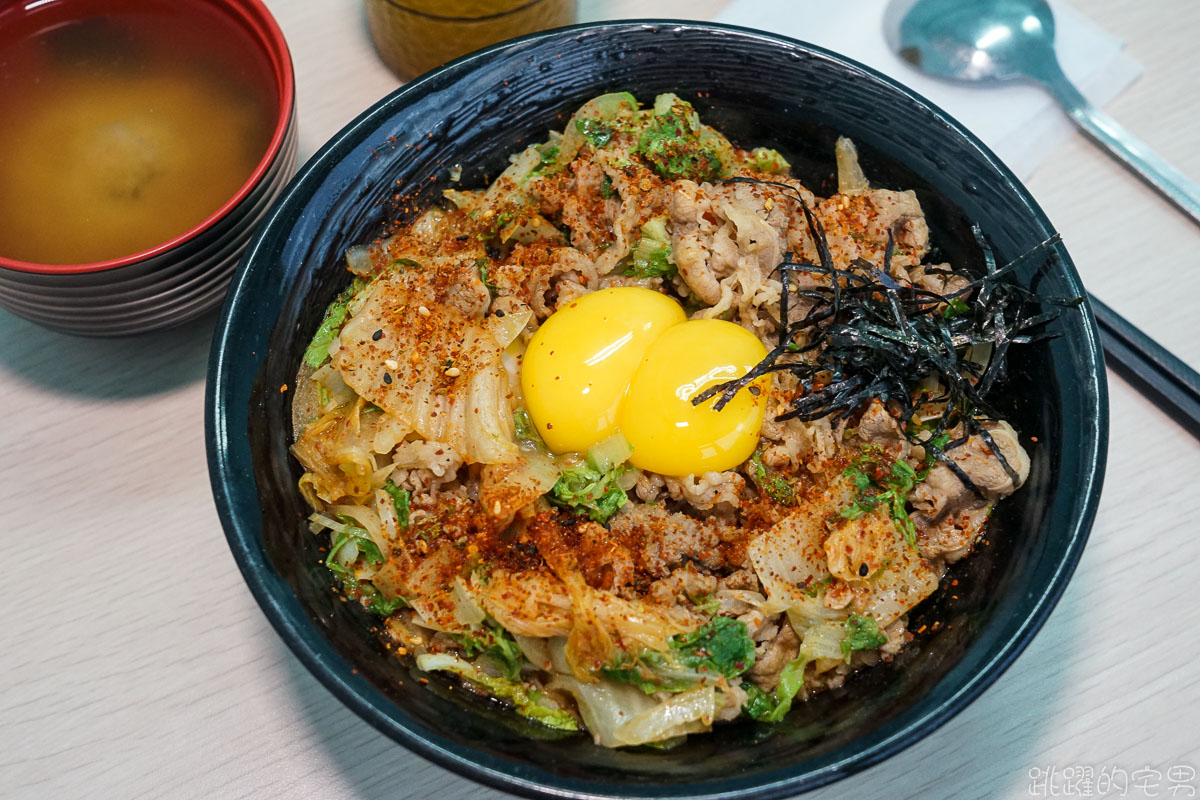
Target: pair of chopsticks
<point>1150,368</point>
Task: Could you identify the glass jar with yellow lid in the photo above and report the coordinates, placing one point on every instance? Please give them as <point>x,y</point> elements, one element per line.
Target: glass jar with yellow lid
<point>414,36</point>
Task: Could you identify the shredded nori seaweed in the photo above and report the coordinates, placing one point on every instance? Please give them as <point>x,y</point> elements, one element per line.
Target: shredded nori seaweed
<point>867,336</point>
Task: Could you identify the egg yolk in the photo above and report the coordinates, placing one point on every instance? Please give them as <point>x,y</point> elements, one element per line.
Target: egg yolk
<point>670,435</point>
<point>577,367</point>
<point>627,359</point>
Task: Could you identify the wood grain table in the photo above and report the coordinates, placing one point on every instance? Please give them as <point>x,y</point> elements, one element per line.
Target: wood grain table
<point>136,664</point>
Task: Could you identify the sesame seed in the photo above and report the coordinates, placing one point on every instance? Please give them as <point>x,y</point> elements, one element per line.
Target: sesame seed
<point>454,372</point>
<point>423,311</point>
<point>387,377</point>
<point>499,313</point>
<point>377,335</point>
<point>391,363</point>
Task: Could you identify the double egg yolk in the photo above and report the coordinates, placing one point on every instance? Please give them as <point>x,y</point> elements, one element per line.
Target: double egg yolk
<point>628,360</point>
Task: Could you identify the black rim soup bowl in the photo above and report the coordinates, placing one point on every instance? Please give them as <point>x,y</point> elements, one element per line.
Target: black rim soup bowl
<point>758,89</point>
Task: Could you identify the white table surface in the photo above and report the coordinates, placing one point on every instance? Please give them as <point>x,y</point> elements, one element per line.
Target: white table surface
<point>135,663</point>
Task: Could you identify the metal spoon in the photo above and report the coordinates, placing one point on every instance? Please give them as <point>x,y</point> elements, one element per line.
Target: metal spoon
<point>987,40</point>
<point>983,40</point>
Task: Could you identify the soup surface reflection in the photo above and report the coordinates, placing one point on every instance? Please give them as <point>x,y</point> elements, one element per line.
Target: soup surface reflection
<point>124,130</point>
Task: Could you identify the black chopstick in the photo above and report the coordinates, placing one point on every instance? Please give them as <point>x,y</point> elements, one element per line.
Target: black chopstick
<point>1150,368</point>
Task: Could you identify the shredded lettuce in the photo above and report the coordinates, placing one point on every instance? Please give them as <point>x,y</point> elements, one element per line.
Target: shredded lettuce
<point>317,352</point>
<point>764,159</point>
<point>350,542</point>
<point>595,131</point>
<point>862,633</point>
<point>875,485</point>
<point>590,491</point>
<point>651,256</point>
<point>525,429</point>
<point>776,487</point>
<point>400,497</point>
<point>670,142</point>
<point>527,700</point>
<point>766,707</point>
<point>722,647</point>
<point>493,641</point>
<point>593,486</point>
<point>349,545</point>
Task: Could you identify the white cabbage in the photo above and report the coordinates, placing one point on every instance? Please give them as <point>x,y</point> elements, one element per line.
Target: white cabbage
<point>692,711</point>
<point>528,701</point>
<point>506,488</point>
<point>907,580</point>
<point>339,393</point>
<point>604,623</point>
<point>823,640</point>
<point>622,715</point>
<point>606,108</point>
<point>339,461</point>
<point>507,186</point>
<point>790,563</point>
<point>536,651</point>
<point>869,539</point>
<point>507,328</point>
<point>529,603</point>
<point>367,519</point>
<point>465,406</point>
<point>430,595</point>
<point>851,179</point>
<point>467,610</point>
<point>606,706</point>
<point>596,623</point>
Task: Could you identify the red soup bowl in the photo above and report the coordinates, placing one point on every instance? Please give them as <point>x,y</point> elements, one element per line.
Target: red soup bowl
<point>232,50</point>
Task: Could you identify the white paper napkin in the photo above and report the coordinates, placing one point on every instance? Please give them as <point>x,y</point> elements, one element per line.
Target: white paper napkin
<point>1021,123</point>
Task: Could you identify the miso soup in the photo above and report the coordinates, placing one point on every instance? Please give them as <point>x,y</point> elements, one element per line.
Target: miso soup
<point>122,129</point>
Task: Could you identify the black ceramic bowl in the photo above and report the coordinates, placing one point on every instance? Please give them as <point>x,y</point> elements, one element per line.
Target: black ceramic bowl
<point>760,90</point>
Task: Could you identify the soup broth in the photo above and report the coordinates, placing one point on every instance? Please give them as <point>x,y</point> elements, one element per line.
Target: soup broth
<point>125,128</point>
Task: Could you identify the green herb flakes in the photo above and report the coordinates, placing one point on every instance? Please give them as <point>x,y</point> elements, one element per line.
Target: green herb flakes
<point>862,633</point>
